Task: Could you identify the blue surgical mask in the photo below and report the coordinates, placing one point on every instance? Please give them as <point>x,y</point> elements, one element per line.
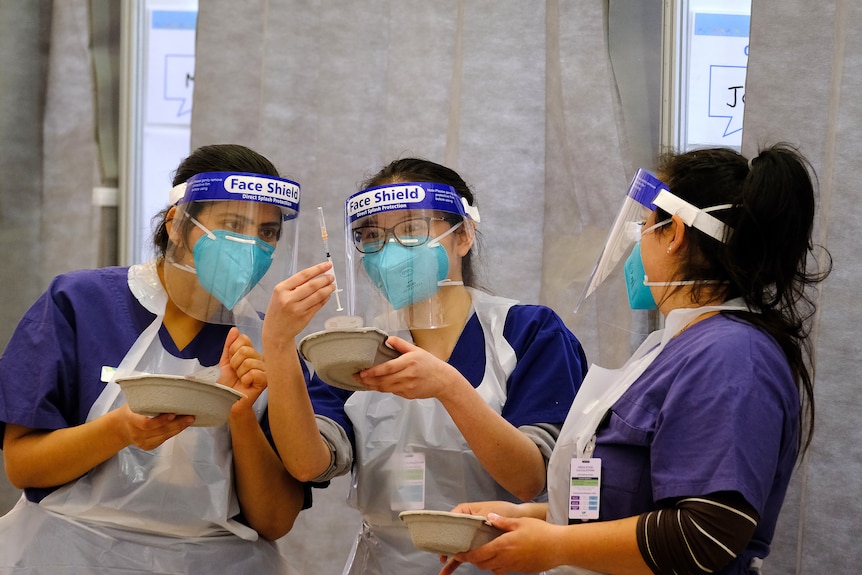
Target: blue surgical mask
<point>640,295</point>
<point>406,275</point>
<point>229,265</point>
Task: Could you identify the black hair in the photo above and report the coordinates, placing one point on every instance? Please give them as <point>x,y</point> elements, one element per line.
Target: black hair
<point>765,256</point>
<point>212,158</point>
<point>421,170</point>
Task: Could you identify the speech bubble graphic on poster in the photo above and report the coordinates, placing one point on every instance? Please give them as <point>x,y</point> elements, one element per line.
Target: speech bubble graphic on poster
<point>727,96</point>
<point>716,73</point>
<point>170,67</point>
<point>179,81</point>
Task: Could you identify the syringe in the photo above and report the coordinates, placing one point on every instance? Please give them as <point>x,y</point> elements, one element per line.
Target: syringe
<point>325,237</point>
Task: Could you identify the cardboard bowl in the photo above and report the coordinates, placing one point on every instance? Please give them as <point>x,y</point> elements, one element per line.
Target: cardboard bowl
<point>446,533</point>
<point>151,395</point>
<point>337,354</point>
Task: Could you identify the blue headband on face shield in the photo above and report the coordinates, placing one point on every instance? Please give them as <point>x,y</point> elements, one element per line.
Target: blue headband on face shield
<point>408,196</point>
<point>644,189</point>
<point>244,186</point>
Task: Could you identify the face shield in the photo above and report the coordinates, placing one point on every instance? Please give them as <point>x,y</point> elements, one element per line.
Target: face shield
<point>402,245</point>
<point>232,238</point>
<point>626,228</point>
<point>646,194</point>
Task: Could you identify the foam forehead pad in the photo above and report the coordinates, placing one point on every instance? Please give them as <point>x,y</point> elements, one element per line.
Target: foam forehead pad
<point>176,193</point>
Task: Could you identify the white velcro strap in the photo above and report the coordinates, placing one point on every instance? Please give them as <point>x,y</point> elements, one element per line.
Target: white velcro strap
<point>471,211</point>
<point>177,192</point>
<point>692,215</point>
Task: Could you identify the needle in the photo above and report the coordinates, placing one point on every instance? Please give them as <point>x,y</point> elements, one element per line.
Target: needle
<point>325,237</point>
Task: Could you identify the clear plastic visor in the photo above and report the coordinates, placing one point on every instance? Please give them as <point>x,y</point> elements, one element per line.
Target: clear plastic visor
<point>626,229</point>
<point>403,258</point>
<point>225,256</point>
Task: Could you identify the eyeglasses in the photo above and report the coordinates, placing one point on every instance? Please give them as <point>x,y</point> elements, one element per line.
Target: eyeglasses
<point>409,233</point>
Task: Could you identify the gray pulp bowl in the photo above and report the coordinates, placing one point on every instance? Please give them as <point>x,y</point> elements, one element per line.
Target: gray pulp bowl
<point>151,395</point>
<point>446,533</point>
<point>337,354</point>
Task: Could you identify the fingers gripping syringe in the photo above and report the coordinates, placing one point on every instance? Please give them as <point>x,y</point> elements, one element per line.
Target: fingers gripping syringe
<point>325,237</point>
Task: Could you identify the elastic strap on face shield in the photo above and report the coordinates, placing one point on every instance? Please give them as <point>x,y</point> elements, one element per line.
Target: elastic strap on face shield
<point>693,216</point>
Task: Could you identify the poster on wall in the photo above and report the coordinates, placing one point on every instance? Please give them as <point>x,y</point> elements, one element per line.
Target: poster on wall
<point>170,66</point>
<point>166,84</point>
<point>717,63</point>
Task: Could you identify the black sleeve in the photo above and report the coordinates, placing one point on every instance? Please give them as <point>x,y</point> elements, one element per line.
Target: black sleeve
<point>696,535</point>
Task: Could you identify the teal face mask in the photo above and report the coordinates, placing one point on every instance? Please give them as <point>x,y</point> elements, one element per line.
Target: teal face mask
<point>229,265</point>
<point>640,296</point>
<point>406,275</point>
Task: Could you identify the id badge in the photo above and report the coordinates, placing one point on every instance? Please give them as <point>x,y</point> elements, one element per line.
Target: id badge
<point>584,489</point>
<point>108,373</point>
<point>409,482</point>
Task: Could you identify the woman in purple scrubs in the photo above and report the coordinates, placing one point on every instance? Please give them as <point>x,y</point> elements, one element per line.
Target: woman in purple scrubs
<point>107,490</point>
<point>679,461</point>
<point>473,405</point>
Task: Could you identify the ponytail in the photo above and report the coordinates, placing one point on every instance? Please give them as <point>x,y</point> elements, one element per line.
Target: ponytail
<point>772,234</point>
<point>765,256</point>
<point>768,258</point>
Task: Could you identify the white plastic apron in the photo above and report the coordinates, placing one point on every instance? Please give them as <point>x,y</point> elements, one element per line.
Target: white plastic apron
<point>388,426</point>
<point>599,391</point>
<point>167,510</point>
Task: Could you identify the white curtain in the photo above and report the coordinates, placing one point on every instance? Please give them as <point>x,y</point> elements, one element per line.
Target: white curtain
<point>803,86</point>
<point>47,156</point>
<point>518,96</point>
<point>521,98</point>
